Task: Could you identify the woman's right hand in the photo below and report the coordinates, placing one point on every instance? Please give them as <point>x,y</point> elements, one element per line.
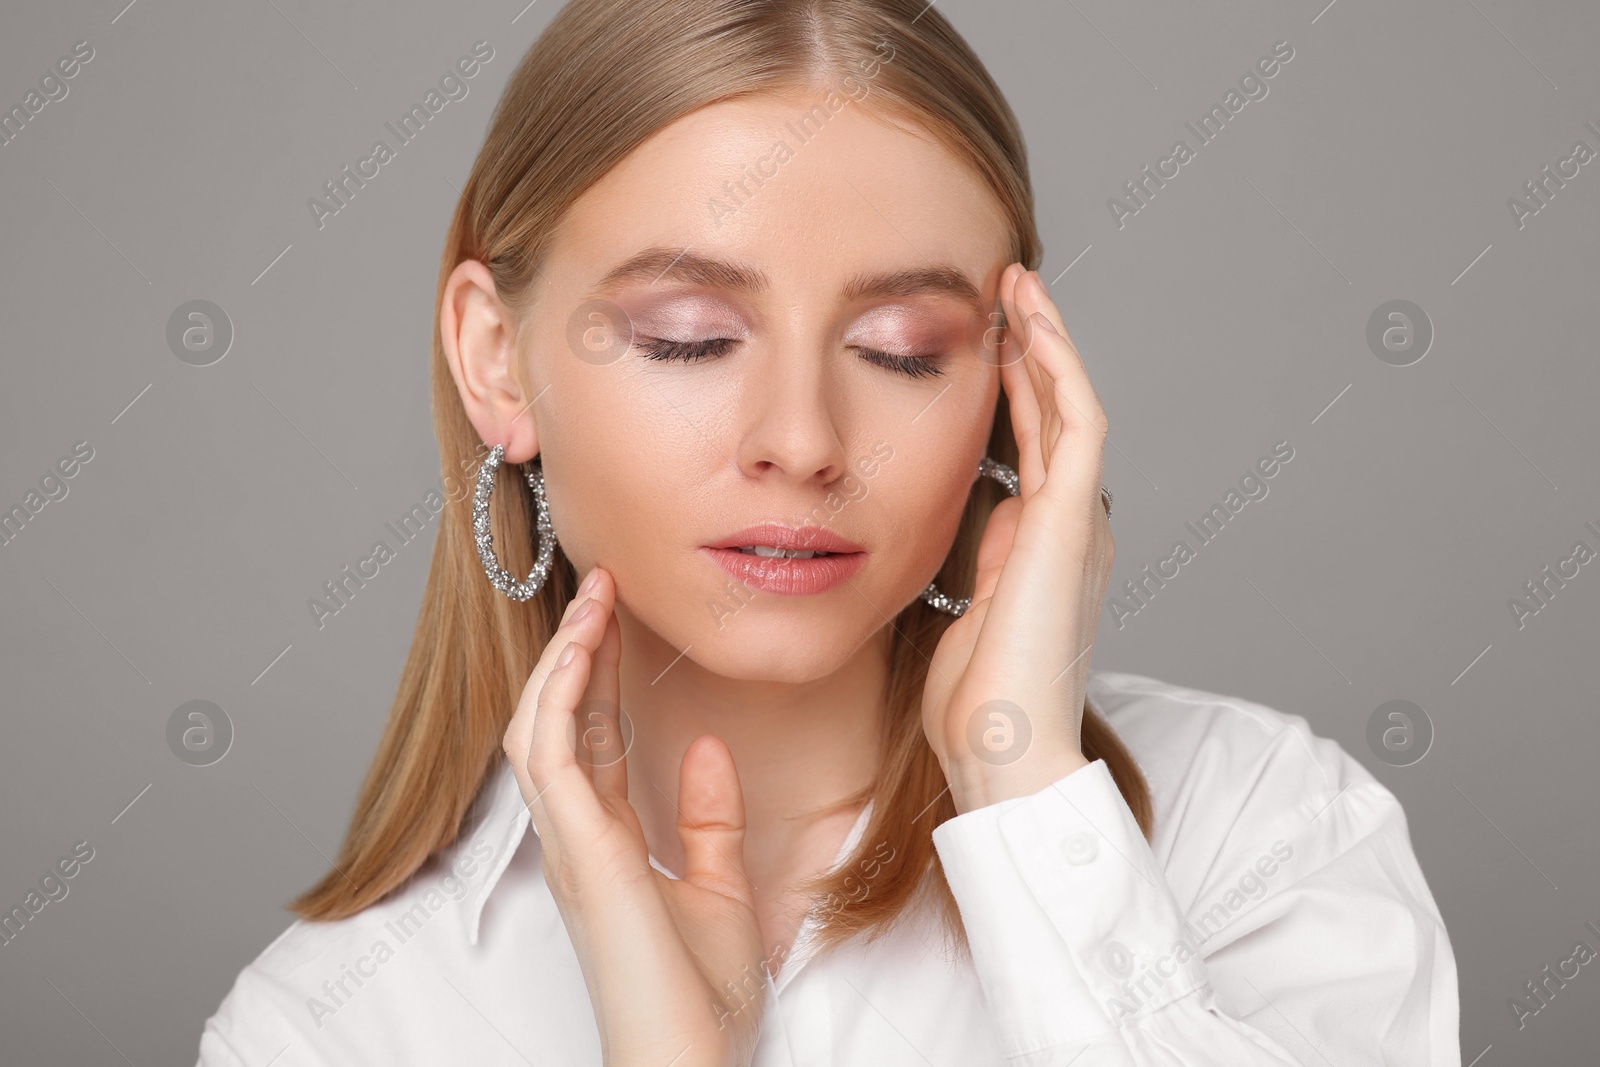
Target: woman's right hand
<point>656,952</point>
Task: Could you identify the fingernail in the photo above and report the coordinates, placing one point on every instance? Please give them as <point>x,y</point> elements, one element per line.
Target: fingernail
<point>588,582</point>
<point>584,612</point>
<point>1039,317</point>
<point>566,655</point>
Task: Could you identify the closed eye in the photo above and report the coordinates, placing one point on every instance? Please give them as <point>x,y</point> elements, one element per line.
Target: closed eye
<point>912,366</point>
<point>693,351</point>
<point>686,351</point>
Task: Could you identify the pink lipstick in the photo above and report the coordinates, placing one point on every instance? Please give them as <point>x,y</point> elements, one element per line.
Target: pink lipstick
<point>760,557</point>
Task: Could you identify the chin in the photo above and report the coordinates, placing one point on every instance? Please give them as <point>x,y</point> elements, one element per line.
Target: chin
<point>779,644</point>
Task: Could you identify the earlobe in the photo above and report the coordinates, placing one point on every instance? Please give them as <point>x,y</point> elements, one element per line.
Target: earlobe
<point>479,337</point>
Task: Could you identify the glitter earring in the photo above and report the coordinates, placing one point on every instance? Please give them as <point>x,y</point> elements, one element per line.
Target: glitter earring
<point>498,576</point>
<point>1008,478</point>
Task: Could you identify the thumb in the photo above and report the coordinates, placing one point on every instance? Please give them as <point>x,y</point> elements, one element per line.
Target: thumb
<point>711,819</point>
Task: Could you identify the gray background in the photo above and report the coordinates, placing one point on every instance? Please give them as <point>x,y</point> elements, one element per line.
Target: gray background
<point>1230,313</point>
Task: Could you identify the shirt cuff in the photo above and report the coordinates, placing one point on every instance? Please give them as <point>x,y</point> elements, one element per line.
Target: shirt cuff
<point>1072,925</point>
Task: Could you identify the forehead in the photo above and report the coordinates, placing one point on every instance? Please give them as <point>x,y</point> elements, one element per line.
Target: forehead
<point>806,185</point>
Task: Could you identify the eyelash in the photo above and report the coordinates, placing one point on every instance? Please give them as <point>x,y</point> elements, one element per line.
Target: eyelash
<point>693,351</point>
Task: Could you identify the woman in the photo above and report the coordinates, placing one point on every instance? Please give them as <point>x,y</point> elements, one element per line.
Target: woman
<point>814,763</point>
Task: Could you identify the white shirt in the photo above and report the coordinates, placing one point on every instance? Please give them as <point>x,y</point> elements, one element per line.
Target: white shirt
<point>1278,917</point>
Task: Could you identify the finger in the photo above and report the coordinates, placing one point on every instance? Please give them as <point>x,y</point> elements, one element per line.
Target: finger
<point>1047,306</point>
<point>606,744</point>
<point>1050,422</point>
<point>711,821</point>
<point>563,802</point>
<point>1084,427</point>
<point>1054,543</point>
<point>1080,448</point>
<point>563,738</point>
<point>1022,389</point>
<point>1049,426</point>
<point>1026,423</point>
<point>1056,353</point>
<point>1042,397</point>
<point>1049,430</point>
<point>995,546</point>
<point>1021,392</point>
<point>520,732</point>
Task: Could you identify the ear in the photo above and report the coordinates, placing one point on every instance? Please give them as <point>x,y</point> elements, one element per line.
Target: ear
<point>480,345</point>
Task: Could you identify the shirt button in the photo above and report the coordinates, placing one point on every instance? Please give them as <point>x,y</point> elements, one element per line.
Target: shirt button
<point>1117,960</point>
<point>1079,848</point>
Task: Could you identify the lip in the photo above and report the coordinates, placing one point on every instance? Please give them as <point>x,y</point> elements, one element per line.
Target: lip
<point>800,539</point>
<point>787,577</point>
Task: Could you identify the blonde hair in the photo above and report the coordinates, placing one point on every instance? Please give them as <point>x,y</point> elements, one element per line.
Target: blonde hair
<point>604,76</point>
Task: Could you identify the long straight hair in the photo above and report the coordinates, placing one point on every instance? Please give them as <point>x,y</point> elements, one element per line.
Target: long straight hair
<point>603,77</point>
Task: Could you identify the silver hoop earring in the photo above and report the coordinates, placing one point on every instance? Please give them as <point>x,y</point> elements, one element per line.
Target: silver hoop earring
<point>499,577</point>
<point>1008,478</point>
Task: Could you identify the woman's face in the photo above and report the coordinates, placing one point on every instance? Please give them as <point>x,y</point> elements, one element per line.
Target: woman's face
<point>768,253</point>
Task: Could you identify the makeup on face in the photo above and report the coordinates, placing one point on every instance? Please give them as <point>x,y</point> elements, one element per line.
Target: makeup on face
<point>685,317</point>
<point>910,329</point>
<point>913,316</point>
<point>915,338</point>
<point>788,561</point>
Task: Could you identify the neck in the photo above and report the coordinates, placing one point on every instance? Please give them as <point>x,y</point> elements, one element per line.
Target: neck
<point>801,748</point>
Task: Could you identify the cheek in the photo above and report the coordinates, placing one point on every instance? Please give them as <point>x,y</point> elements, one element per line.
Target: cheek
<point>616,482</point>
<point>922,493</point>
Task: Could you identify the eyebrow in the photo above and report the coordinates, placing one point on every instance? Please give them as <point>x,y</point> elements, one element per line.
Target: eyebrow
<point>681,264</point>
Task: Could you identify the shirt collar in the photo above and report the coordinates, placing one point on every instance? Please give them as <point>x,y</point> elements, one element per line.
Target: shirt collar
<point>496,835</point>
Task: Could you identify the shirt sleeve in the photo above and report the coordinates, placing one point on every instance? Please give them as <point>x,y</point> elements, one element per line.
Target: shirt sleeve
<point>215,1050</point>
<point>1080,944</point>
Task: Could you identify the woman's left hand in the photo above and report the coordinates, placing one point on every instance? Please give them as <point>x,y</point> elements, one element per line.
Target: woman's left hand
<point>1003,702</point>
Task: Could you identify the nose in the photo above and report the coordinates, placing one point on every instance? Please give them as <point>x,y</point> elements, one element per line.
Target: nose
<point>788,417</point>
